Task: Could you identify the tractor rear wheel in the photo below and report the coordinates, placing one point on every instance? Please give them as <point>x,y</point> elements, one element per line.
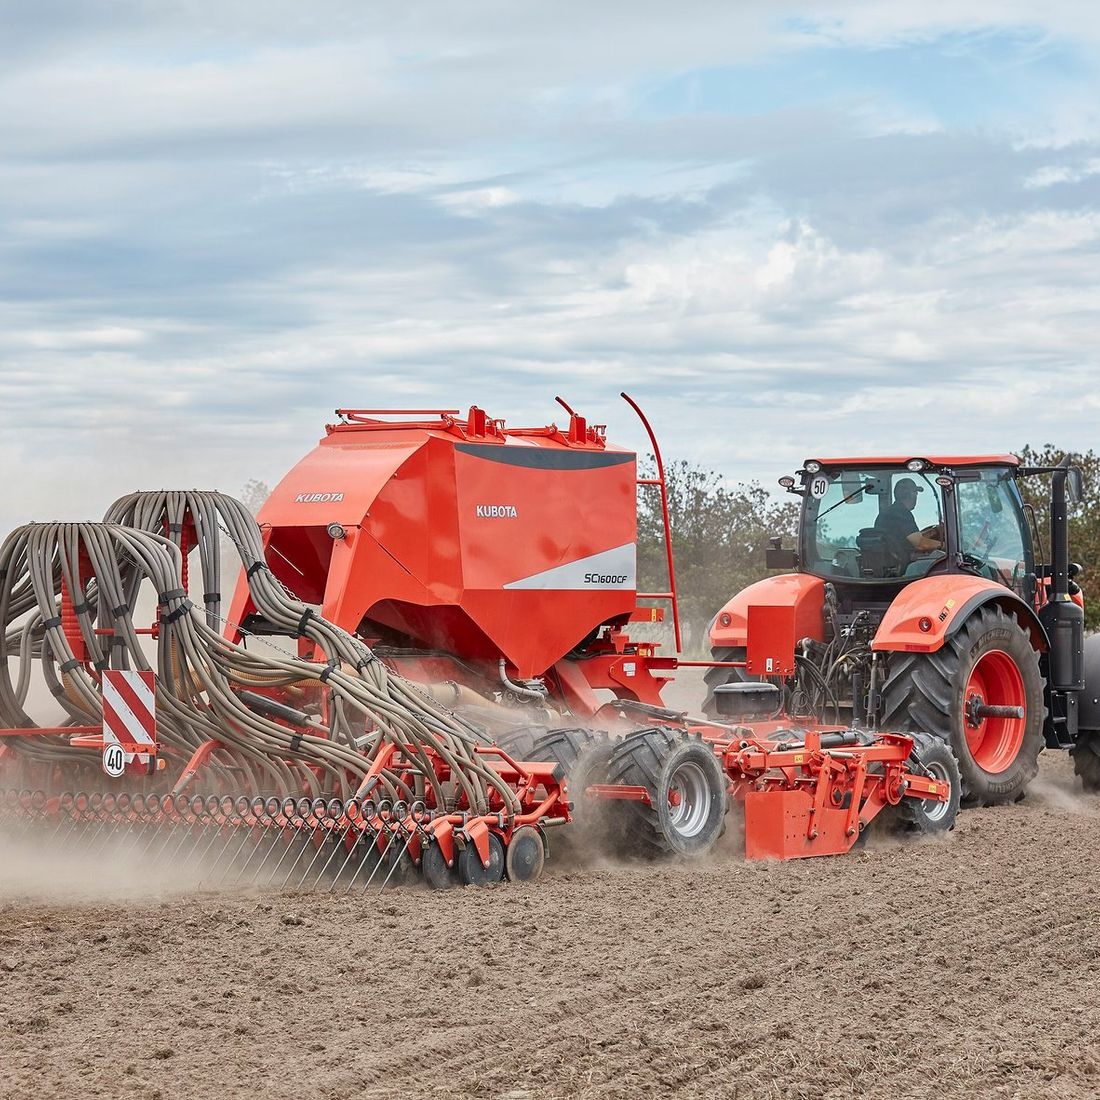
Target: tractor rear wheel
<point>715,677</point>
<point>1086,759</point>
<point>990,660</point>
<point>686,787</point>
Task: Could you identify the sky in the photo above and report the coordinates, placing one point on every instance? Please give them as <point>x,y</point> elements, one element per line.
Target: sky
<point>785,229</point>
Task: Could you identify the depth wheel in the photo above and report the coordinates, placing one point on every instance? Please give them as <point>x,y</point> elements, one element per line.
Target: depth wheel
<point>470,869</point>
<point>526,855</point>
<point>990,660</point>
<point>1086,759</point>
<point>687,791</point>
<point>938,762</point>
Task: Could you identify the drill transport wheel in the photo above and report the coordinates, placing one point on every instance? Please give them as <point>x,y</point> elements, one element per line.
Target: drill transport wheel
<point>526,855</point>
<point>687,790</point>
<point>470,868</point>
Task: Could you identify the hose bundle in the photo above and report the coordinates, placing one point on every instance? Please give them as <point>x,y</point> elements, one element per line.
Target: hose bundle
<point>206,684</point>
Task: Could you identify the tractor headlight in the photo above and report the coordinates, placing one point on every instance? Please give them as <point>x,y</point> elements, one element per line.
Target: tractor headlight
<point>787,482</point>
<point>813,467</point>
<point>915,465</point>
<point>336,531</point>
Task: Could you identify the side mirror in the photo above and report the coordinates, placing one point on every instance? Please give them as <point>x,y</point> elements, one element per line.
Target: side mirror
<point>1075,485</point>
<point>775,557</point>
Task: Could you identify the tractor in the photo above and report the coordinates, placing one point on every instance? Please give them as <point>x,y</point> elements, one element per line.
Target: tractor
<point>920,600</point>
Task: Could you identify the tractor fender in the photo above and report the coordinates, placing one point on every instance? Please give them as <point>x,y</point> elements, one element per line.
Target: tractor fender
<point>802,593</point>
<point>944,603</point>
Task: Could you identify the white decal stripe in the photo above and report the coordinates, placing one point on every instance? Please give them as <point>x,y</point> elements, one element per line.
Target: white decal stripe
<point>610,569</point>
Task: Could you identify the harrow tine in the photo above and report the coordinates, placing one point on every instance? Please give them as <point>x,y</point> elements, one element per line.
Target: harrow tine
<point>354,813</point>
<point>370,812</point>
<point>267,814</point>
<point>318,814</point>
<point>389,843</point>
<point>335,812</point>
<point>417,812</point>
<point>244,811</point>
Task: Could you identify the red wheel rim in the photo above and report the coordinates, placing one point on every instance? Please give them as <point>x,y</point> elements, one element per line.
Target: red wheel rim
<point>995,742</point>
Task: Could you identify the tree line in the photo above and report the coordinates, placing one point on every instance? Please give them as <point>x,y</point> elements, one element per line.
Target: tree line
<point>720,531</point>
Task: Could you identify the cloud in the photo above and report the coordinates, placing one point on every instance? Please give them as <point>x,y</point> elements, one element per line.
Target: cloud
<point>818,227</point>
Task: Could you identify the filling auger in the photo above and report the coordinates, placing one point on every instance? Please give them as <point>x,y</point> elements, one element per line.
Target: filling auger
<point>425,667</point>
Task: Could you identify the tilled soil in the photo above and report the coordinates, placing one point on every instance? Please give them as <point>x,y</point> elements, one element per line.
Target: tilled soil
<point>961,968</point>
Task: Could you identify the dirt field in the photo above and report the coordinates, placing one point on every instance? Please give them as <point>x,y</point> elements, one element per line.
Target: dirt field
<point>967,968</point>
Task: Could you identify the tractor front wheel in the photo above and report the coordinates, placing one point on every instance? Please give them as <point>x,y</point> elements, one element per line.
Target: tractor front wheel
<point>988,662</point>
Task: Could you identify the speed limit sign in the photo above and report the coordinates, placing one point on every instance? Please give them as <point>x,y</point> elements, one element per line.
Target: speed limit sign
<point>114,760</point>
<point>819,486</point>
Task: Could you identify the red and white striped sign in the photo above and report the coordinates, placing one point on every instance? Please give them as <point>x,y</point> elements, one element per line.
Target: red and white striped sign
<point>130,710</point>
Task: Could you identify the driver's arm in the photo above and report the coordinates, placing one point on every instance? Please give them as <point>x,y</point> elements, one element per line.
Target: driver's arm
<point>923,543</point>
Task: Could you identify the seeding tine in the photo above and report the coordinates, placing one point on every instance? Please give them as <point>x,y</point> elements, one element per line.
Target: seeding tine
<point>268,816</point>
<point>415,817</point>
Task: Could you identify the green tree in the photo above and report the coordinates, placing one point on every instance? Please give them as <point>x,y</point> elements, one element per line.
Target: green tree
<point>1084,519</point>
<point>719,533</point>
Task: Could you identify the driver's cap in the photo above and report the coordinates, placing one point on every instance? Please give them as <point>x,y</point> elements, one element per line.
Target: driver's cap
<point>907,485</point>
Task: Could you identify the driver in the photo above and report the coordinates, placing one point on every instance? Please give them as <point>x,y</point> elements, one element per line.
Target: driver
<point>896,522</point>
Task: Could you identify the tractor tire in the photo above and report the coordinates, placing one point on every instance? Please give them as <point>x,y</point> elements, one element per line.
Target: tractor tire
<point>990,658</point>
<point>665,761</point>
<point>520,742</point>
<point>1086,759</point>
<point>584,757</point>
<point>937,760</point>
<point>715,677</point>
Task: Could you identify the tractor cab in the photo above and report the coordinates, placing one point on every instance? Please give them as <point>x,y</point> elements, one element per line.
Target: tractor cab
<point>882,523</point>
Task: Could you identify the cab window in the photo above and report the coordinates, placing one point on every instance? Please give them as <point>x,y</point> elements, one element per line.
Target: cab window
<point>992,530</point>
<point>854,528</point>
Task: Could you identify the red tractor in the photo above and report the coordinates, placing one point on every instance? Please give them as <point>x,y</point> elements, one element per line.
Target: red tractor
<point>921,600</point>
